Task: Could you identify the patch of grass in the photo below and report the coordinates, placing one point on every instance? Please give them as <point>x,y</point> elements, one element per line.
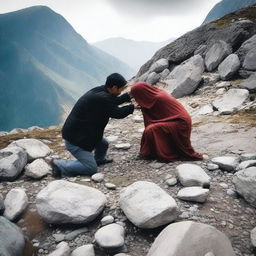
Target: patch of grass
<point>246,13</point>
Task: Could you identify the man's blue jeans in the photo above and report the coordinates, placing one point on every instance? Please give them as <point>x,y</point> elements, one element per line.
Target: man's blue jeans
<point>86,163</point>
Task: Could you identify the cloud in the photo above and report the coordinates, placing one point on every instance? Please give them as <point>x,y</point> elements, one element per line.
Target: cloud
<point>154,8</point>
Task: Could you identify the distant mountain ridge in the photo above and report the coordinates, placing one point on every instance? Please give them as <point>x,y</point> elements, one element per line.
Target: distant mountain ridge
<point>134,53</point>
<point>45,66</point>
<point>224,7</point>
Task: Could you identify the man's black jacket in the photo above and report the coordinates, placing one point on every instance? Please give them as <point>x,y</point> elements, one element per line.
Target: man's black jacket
<point>85,124</point>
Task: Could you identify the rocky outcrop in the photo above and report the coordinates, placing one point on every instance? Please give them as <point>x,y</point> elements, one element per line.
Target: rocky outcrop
<point>191,239</point>
<point>146,205</point>
<point>66,202</point>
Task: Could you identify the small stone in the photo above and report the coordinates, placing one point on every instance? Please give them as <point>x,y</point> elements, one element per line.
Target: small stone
<point>107,220</point>
<point>171,182</point>
<point>110,185</point>
<point>123,146</point>
<point>97,177</point>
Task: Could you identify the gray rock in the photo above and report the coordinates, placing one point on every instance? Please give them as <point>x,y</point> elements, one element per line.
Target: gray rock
<point>110,236</point>
<point>75,233</point>
<point>249,60</point>
<point>171,181</point>
<point>153,78</point>
<point>185,78</point>
<point>12,241</point>
<point>212,167</point>
<point>231,101</point>
<point>179,239</point>
<point>245,184</point>
<point>16,201</point>
<point>207,109</point>
<point>97,177</point>
<point>229,67</point>
<point>248,156</point>
<point>107,220</point>
<point>246,164</point>
<point>34,148</point>
<point>12,161</point>
<point>62,249</point>
<point>201,50</point>
<point>85,250</point>
<point>59,237</point>
<point>253,237</point>
<point>65,202</point>
<point>194,194</point>
<point>218,52</point>
<point>37,169</point>
<point>123,146</point>
<point>226,163</point>
<point>2,207</point>
<point>146,205</point>
<point>246,47</point>
<point>164,74</point>
<point>159,65</point>
<point>110,185</point>
<point>192,175</point>
<point>250,83</point>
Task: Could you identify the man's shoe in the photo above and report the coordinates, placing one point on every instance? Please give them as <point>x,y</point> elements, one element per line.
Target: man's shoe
<point>56,172</point>
<point>104,161</point>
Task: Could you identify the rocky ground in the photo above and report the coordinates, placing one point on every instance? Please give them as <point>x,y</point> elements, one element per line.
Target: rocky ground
<point>213,134</point>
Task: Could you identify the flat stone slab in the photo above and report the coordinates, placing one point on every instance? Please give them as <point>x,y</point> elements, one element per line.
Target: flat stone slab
<point>34,148</point>
<point>66,202</point>
<point>192,175</point>
<point>193,194</point>
<point>146,205</point>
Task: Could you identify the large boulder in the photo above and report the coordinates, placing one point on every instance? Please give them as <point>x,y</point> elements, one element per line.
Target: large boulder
<point>12,241</point>
<point>185,78</point>
<point>12,161</point>
<point>146,205</point>
<point>216,54</point>
<point>249,60</point>
<point>192,175</point>
<point>189,238</point>
<point>247,46</point>
<point>229,67</point>
<point>245,184</point>
<point>231,101</point>
<point>159,65</point>
<point>16,201</point>
<point>66,202</point>
<point>250,83</point>
<point>34,148</point>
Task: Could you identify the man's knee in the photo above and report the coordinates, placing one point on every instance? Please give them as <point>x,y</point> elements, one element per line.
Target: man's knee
<point>92,168</point>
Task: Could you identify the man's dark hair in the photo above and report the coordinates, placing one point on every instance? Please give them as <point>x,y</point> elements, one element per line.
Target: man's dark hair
<point>115,79</point>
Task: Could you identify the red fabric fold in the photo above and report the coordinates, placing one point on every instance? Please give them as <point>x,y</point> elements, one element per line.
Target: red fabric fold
<point>167,125</point>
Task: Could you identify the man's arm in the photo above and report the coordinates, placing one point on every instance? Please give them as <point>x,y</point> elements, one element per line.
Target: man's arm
<point>120,112</point>
<point>122,98</point>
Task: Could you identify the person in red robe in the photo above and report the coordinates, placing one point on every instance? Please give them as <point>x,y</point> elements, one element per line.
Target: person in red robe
<point>167,125</point>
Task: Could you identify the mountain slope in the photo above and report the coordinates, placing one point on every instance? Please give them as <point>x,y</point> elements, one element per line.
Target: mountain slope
<point>134,53</point>
<point>224,7</point>
<point>45,66</point>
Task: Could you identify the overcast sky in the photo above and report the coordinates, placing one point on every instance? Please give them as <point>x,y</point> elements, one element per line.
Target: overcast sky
<point>141,20</point>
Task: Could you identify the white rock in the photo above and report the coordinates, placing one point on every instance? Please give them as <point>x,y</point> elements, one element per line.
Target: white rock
<point>171,181</point>
<point>85,250</point>
<point>192,175</point>
<point>110,185</point>
<point>110,236</point>
<point>194,194</point>
<point>212,167</point>
<point>245,184</point>
<point>248,156</point>
<point>37,169</point>
<point>34,148</point>
<point>12,161</point>
<point>231,101</point>
<point>107,220</point>
<point>229,67</point>
<point>97,177</point>
<point>62,249</point>
<point>207,109</point>
<point>123,146</point>
<point>226,163</point>
<point>65,202</point>
<point>146,205</point>
<point>159,65</point>
<point>112,138</point>
<point>246,164</point>
<point>16,201</point>
<point>189,238</point>
<point>253,237</point>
